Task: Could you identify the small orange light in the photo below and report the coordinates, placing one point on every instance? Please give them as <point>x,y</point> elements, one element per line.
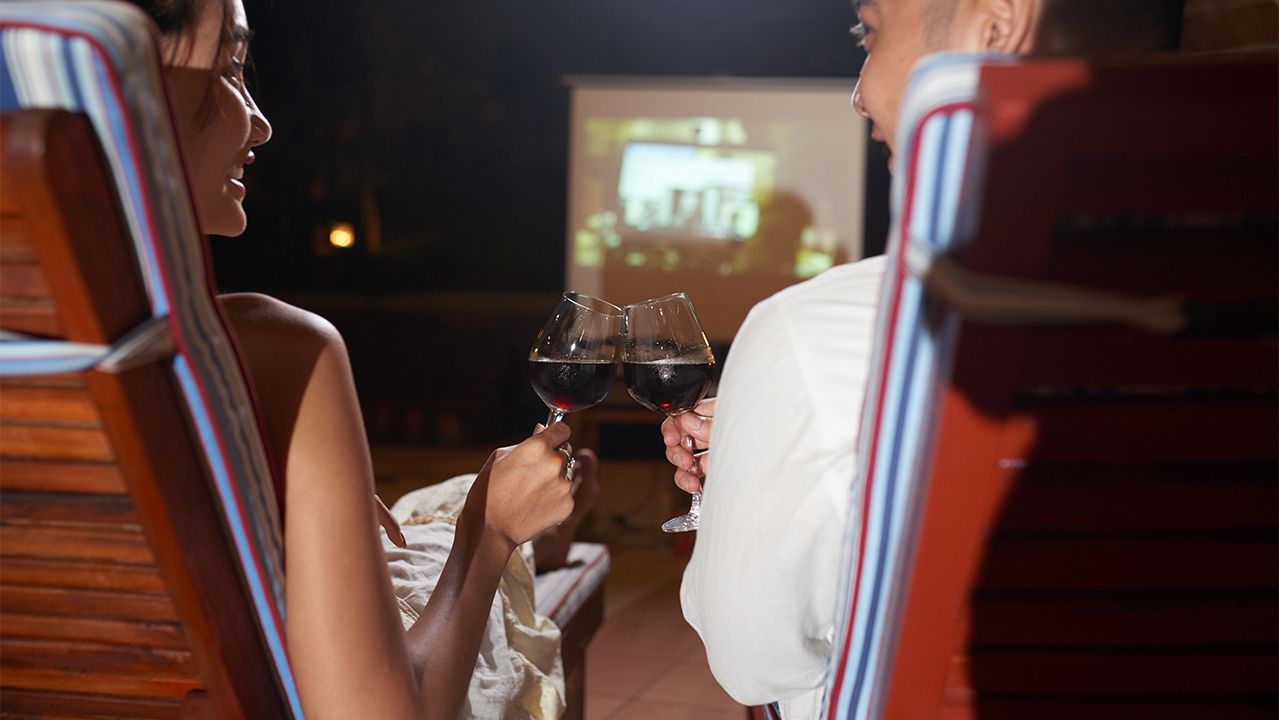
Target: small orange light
<point>342,235</point>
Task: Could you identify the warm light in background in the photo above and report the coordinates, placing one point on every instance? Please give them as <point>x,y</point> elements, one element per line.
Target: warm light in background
<point>342,235</point>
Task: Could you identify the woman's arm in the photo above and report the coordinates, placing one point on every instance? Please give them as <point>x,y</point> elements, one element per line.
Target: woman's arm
<point>519,492</point>
<point>346,642</point>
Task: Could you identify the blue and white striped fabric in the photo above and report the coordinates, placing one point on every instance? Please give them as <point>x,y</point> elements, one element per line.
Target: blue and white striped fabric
<point>559,593</point>
<point>913,356</point>
<point>100,58</point>
<point>24,356</point>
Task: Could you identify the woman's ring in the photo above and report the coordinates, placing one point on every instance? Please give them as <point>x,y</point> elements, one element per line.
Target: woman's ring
<point>569,462</point>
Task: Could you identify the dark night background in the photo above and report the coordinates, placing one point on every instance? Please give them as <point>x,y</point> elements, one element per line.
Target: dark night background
<point>442,126</point>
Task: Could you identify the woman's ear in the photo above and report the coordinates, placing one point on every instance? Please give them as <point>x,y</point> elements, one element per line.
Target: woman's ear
<point>1000,26</point>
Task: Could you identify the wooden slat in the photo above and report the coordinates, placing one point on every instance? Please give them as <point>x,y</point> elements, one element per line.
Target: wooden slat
<point>80,574</point>
<point>34,318</point>
<point>64,379</point>
<point>116,632</point>
<point>198,705</point>
<point>15,240</point>
<point>48,441</point>
<point>1225,709</point>
<point>1115,565</point>
<point>24,716</point>
<point>42,703</point>
<point>23,280</point>
<point>46,679</point>
<point>1172,620</point>
<point>98,658</point>
<point>118,543</point>
<point>1156,432</point>
<point>86,603</point>
<point>1104,504</point>
<point>1230,473</point>
<point>68,380</point>
<point>1224,674</point>
<point>1224,264</point>
<point>59,176</point>
<point>67,507</point>
<point>1122,357</point>
<point>9,204</point>
<point>1221,184</point>
<point>61,476</point>
<point>49,404</point>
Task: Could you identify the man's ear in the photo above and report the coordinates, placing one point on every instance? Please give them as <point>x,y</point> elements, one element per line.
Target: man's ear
<point>1001,26</point>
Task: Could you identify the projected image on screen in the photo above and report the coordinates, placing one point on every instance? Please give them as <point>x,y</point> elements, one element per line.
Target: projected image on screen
<point>759,191</point>
<point>687,190</point>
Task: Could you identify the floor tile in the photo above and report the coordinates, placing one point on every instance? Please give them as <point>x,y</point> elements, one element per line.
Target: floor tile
<point>649,709</point>
<point>600,707</point>
<point>636,573</point>
<point>689,685</point>
<point>665,643</point>
<point>696,657</point>
<point>620,674</point>
<point>652,630</point>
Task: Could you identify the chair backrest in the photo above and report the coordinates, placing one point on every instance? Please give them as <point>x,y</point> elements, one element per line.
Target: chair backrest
<point>1069,450</point>
<point>142,568</point>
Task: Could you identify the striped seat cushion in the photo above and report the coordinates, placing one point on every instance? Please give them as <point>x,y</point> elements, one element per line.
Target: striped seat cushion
<point>560,593</point>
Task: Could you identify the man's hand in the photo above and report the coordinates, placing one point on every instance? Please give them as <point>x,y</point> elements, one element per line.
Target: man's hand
<point>686,437</point>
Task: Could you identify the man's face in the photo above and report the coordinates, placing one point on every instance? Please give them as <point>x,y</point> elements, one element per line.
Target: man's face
<point>893,34</point>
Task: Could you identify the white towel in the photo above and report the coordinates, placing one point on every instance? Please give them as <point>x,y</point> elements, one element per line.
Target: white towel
<point>519,674</point>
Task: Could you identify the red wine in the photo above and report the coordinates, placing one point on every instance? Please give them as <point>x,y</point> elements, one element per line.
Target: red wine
<point>668,387</point>
<point>569,385</point>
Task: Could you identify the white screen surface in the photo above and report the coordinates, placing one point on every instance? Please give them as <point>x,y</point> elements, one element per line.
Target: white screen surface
<point>726,189</point>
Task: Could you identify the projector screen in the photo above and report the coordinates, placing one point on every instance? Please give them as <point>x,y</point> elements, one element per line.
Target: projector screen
<point>726,189</point>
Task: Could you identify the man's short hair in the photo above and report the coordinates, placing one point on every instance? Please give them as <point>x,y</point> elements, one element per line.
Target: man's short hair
<point>1098,29</point>
<point>1110,28</point>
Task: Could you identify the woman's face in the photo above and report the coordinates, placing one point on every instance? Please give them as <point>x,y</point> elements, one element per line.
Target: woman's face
<point>217,118</point>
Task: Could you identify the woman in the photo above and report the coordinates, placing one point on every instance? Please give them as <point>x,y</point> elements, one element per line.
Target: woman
<point>349,652</point>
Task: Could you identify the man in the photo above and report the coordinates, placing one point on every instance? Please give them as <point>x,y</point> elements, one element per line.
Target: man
<point>761,586</point>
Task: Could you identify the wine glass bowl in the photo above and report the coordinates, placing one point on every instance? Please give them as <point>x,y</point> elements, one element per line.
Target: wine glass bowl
<point>574,359</point>
<point>668,366</point>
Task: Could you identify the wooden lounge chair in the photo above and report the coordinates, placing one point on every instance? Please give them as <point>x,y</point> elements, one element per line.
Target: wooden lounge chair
<point>1069,451</point>
<point>141,567</point>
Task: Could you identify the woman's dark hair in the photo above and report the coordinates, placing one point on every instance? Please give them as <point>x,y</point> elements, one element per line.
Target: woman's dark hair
<point>178,18</point>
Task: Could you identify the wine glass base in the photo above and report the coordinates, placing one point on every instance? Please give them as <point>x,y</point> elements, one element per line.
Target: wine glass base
<point>684,523</point>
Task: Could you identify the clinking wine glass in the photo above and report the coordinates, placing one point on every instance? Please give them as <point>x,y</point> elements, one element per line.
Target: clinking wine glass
<point>668,366</point>
<point>574,359</point>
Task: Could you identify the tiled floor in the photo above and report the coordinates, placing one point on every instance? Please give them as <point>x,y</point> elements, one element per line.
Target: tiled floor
<point>646,661</point>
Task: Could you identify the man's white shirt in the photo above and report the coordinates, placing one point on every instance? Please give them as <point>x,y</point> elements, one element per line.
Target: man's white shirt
<point>760,588</point>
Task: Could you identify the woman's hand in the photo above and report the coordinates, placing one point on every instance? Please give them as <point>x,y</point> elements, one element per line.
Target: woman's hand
<point>523,490</point>
<point>389,523</point>
<point>687,437</point>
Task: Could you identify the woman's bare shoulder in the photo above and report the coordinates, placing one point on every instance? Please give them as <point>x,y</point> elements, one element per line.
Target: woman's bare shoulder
<point>258,318</point>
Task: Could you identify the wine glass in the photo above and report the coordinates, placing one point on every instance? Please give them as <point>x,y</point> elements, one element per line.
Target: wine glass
<point>574,359</point>
<point>668,366</point>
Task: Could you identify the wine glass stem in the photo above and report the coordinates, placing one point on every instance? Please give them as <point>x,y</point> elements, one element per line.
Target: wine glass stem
<point>555,416</point>
<point>695,505</point>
